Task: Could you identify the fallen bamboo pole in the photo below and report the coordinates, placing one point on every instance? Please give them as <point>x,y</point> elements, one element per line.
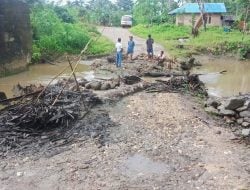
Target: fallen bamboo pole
<point>77,85</point>
<point>51,82</point>
<point>79,59</point>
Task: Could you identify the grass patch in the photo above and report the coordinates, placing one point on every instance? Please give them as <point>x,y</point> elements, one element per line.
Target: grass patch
<point>214,40</point>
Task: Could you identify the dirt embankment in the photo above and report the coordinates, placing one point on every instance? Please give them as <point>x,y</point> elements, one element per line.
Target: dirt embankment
<point>155,139</point>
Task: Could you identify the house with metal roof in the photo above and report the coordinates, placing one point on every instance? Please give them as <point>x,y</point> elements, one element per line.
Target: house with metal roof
<point>190,12</point>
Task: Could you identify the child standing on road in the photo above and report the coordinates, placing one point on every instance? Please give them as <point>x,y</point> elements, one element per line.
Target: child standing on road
<point>131,45</point>
<point>118,47</point>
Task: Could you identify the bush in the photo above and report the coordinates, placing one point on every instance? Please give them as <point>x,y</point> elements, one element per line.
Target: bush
<point>54,34</point>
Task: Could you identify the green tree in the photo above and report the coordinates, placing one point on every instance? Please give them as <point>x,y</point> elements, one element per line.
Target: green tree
<point>125,5</point>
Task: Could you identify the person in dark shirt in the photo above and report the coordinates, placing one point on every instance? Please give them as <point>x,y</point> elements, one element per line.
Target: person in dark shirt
<point>150,42</point>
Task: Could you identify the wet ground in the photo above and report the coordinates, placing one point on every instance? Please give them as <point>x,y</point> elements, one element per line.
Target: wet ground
<point>151,141</point>
<point>168,143</point>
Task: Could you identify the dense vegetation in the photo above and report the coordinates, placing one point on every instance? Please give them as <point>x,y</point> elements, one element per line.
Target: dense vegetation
<point>156,11</point>
<point>214,40</point>
<point>58,30</point>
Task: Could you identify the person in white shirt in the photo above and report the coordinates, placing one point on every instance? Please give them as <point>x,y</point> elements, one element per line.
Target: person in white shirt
<point>161,58</point>
<point>119,49</point>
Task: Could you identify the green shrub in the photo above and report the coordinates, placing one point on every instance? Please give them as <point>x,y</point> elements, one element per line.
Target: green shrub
<point>53,35</point>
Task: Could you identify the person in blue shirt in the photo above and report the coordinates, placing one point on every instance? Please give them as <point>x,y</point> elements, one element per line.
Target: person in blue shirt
<point>131,45</point>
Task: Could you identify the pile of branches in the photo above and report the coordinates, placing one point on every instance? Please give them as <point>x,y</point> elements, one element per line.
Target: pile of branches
<point>43,120</point>
<point>189,83</point>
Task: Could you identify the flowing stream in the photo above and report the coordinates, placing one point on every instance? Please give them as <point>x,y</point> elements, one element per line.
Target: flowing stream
<point>235,80</point>
<point>42,74</point>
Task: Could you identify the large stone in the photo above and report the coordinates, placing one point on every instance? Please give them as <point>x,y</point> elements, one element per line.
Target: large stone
<point>213,102</point>
<point>2,96</point>
<point>245,132</point>
<point>243,108</point>
<point>234,103</point>
<point>245,124</point>
<point>240,121</point>
<point>105,86</point>
<point>247,119</point>
<point>245,114</point>
<point>227,112</point>
<point>96,85</point>
<point>212,110</point>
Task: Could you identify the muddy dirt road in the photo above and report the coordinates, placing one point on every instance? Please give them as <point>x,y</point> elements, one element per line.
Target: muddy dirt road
<point>113,33</point>
<point>151,141</point>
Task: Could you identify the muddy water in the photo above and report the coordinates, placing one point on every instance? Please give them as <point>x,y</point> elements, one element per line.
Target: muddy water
<point>236,80</point>
<point>41,74</point>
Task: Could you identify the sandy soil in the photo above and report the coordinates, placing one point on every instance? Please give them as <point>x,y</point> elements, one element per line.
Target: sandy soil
<point>152,141</point>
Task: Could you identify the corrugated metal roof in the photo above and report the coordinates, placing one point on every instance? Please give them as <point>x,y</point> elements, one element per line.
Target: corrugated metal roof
<point>194,8</point>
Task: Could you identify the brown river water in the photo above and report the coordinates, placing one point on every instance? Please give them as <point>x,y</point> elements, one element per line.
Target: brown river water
<point>236,80</point>
<point>42,74</point>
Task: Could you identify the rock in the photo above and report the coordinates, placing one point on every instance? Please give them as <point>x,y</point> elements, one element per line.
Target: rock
<point>111,59</point>
<point>221,107</point>
<point>245,114</point>
<point>2,96</point>
<point>247,103</point>
<point>212,110</point>
<point>131,79</point>
<point>82,82</point>
<point>96,85</point>
<point>243,108</point>
<point>227,112</point>
<point>240,121</point>
<point>88,85</point>
<point>191,61</point>
<point>213,102</point>
<point>245,124</point>
<point>234,103</point>
<point>245,132</point>
<point>229,120</point>
<point>247,119</point>
<point>105,86</point>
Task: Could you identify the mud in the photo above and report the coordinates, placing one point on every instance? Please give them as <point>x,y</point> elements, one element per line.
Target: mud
<point>168,143</point>
<point>144,141</point>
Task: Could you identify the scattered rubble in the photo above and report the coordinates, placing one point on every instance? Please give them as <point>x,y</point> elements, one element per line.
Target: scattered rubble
<point>236,110</point>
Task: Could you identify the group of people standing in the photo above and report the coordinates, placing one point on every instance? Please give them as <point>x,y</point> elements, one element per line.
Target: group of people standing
<point>130,50</point>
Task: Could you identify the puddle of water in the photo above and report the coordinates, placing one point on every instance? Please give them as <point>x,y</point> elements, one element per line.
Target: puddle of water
<point>236,80</point>
<point>141,165</point>
<point>41,74</point>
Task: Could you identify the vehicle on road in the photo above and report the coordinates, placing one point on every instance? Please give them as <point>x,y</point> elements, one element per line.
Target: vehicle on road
<point>126,21</point>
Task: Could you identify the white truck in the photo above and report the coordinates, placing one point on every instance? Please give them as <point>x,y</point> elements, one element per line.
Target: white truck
<point>126,21</point>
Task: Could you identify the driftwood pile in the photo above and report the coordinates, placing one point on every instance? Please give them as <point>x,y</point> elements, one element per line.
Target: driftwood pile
<point>189,83</point>
<point>43,120</point>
